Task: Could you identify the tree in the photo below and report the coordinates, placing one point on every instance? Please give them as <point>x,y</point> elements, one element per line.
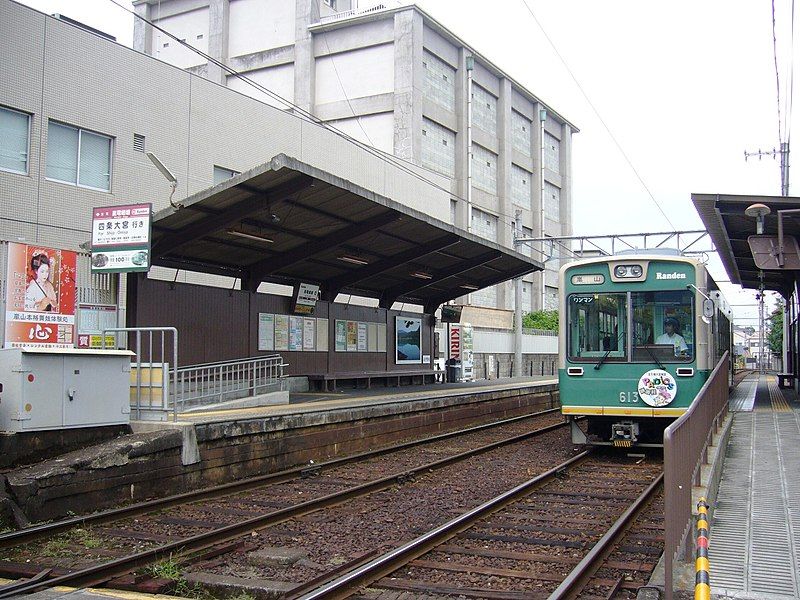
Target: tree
<point>775,331</point>
<point>541,319</point>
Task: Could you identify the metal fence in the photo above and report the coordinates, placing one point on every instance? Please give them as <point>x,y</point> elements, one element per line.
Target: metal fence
<point>686,444</point>
<point>150,371</point>
<point>200,385</point>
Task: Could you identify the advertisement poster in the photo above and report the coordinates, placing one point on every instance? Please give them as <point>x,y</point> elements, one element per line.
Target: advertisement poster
<point>266,332</point>
<point>309,333</point>
<point>408,340</point>
<point>340,334</point>
<point>40,297</point>
<point>295,334</point>
<point>121,238</point>
<point>281,332</point>
<point>362,337</point>
<point>352,336</point>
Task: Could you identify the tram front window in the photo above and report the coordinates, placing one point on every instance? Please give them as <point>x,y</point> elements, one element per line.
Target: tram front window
<point>663,326</point>
<point>597,326</point>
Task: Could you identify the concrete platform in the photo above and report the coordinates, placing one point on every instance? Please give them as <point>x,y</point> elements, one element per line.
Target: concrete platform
<point>213,447</point>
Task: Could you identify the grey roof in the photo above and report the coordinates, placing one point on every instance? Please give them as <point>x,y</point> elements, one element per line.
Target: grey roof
<point>314,220</point>
<point>723,215</point>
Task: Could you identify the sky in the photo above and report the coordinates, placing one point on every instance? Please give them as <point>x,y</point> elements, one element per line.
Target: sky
<point>667,97</point>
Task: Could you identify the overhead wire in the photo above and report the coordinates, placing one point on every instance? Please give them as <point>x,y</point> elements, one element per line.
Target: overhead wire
<point>306,115</point>
<point>777,73</point>
<point>597,114</point>
<point>505,218</point>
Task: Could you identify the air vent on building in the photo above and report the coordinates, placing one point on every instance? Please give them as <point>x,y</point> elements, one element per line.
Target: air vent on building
<point>138,142</point>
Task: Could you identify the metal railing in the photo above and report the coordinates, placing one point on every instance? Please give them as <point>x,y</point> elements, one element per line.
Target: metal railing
<point>686,444</point>
<point>200,385</point>
<point>150,390</point>
<point>346,14</point>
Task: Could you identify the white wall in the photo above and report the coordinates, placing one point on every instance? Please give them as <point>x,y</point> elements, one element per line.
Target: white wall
<point>375,130</point>
<point>503,342</point>
<point>191,27</point>
<point>278,79</point>
<point>257,25</point>
<point>354,74</point>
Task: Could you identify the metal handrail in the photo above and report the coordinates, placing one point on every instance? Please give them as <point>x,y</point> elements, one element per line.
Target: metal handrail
<point>686,444</point>
<point>215,382</point>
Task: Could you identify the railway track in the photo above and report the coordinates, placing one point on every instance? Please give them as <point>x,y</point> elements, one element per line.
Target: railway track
<point>554,536</point>
<point>208,529</point>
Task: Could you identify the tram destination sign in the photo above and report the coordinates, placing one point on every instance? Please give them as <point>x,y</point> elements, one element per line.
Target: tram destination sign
<point>591,279</point>
<point>121,238</point>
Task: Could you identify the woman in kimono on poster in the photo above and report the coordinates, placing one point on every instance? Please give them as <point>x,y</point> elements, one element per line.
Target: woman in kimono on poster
<point>40,295</point>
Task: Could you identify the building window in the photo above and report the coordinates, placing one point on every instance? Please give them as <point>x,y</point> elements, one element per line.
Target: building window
<point>484,110</point>
<point>521,187</point>
<point>438,148</point>
<point>552,149</point>
<point>440,78</point>
<point>78,156</point>
<point>484,169</point>
<point>331,3</point>
<point>521,133</point>
<point>222,174</point>
<point>14,136</point>
<point>527,247</point>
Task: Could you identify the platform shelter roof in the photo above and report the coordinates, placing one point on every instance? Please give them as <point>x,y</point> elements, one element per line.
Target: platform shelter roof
<point>724,217</point>
<point>288,222</point>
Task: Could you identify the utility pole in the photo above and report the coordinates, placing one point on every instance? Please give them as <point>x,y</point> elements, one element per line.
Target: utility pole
<point>783,153</point>
<point>517,302</point>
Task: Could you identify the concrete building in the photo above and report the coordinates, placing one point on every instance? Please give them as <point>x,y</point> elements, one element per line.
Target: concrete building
<point>391,76</point>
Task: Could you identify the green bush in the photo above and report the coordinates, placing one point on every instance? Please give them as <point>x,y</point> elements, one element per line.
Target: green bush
<point>541,319</point>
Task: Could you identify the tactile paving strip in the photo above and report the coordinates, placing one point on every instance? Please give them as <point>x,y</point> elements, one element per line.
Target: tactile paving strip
<point>744,394</point>
<point>756,529</point>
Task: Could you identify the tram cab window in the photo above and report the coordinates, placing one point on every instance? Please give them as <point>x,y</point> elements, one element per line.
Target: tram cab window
<point>597,326</point>
<point>663,326</point>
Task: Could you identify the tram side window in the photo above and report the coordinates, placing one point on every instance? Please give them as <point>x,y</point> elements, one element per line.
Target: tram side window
<point>663,326</point>
<point>597,326</point>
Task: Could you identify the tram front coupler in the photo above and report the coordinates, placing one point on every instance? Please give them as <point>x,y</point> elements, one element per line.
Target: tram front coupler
<point>625,433</point>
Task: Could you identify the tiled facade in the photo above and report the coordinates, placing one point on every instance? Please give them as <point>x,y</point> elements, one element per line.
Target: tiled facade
<point>415,105</point>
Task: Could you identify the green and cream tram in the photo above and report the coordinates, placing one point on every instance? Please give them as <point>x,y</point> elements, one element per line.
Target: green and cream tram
<point>639,335</point>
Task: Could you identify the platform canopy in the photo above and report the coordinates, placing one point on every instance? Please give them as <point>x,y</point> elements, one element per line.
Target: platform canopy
<point>725,219</point>
<point>288,222</point>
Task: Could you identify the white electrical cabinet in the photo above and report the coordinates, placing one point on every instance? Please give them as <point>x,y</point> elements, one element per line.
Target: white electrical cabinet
<point>58,388</point>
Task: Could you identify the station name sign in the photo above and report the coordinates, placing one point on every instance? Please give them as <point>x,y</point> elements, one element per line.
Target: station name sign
<point>121,238</point>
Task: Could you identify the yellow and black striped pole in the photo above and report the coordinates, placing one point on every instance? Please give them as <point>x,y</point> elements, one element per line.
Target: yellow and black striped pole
<point>702,578</point>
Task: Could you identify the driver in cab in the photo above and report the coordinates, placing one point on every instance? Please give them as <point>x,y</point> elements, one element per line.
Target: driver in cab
<point>672,337</point>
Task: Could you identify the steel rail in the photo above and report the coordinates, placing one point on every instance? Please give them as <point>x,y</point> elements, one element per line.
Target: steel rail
<point>31,534</point>
<point>342,587</point>
<point>101,573</point>
<point>577,579</point>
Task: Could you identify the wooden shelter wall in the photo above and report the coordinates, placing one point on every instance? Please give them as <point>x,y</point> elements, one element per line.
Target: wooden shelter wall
<point>216,324</point>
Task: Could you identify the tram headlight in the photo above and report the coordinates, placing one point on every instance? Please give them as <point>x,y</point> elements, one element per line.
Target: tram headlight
<point>628,271</point>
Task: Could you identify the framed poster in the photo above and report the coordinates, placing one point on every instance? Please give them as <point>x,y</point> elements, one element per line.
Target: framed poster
<point>372,334</point>
<point>322,335</point>
<point>309,333</point>
<point>381,337</point>
<point>40,297</point>
<point>408,340</point>
<point>93,319</point>
<point>362,337</point>
<point>340,334</point>
<point>281,332</point>
<point>352,336</point>
<point>266,332</point>
<point>295,334</point>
